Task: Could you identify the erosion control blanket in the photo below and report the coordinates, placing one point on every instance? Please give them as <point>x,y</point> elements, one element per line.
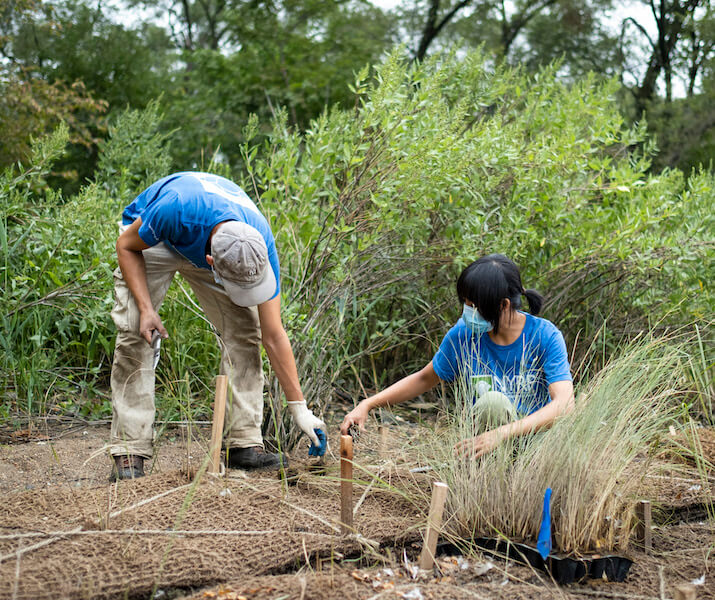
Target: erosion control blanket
<point>162,533</point>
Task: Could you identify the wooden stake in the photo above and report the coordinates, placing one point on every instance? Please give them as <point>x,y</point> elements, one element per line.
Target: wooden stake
<point>346,483</point>
<point>383,431</point>
<point>217,428</point>
<point>685,592</point>
<point>434,523</point>
<point>645,527</point>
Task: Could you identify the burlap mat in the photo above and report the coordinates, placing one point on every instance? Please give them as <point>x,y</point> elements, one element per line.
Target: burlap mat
<point>228,529</point>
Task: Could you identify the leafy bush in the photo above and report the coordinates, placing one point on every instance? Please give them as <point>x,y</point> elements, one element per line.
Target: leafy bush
<point>376,209</point>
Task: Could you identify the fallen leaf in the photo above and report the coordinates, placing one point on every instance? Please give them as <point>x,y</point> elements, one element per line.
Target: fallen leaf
<point>483,568</point>
<point>413,594</point>
<point>383,585</point>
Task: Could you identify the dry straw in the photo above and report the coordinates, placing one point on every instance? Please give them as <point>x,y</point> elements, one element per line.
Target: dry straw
<point>593,459</point>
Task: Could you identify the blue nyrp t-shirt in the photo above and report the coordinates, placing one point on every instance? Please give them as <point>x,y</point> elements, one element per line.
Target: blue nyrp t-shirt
<point>523,370</point>
<point>182,210</point>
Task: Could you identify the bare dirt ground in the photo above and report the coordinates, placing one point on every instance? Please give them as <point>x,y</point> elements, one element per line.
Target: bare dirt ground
<point>65,532</point>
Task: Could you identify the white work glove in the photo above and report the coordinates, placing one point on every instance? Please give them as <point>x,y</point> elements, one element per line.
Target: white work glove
<point>306,420</point>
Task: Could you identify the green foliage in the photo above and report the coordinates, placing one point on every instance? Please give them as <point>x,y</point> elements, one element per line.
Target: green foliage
<point>72,41</point>
<point>135,155</point>
<point>70,62</point>
<point>684,129</point>
<point>376,208</point>
<point>57,261</point>
<point>33,107</point>
<point>297,55</point>
<point>450,160</point>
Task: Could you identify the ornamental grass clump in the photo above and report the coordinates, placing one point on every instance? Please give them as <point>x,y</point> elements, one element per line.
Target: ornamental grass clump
<point>593,459</point>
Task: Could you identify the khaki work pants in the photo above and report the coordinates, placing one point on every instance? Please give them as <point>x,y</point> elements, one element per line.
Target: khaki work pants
<point>132,374</point>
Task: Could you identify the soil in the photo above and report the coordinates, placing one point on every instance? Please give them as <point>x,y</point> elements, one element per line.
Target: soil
<point>257,537</point>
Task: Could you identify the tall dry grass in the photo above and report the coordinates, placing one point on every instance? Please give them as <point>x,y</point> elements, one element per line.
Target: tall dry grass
<point>593,459</point>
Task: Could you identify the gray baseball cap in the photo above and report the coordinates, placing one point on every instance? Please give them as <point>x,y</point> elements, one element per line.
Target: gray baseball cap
<point>241,261</point>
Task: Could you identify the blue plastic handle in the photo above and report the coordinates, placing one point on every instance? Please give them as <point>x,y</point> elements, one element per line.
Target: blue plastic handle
<point>319,450</point>
<point>543,543</point>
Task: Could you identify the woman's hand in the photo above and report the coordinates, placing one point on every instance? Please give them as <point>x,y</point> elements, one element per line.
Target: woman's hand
<point>405,389</point>
<point>357,416</point>
<point>480,445</point>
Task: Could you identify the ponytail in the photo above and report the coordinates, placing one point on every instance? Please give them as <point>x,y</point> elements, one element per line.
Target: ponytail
<point>535,300</point>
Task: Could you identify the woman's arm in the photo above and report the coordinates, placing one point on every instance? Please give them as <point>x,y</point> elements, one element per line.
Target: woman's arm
<point>401,391</point>
<point>562,403</point>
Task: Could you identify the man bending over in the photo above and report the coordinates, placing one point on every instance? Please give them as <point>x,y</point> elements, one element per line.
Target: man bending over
<point>206,228</point>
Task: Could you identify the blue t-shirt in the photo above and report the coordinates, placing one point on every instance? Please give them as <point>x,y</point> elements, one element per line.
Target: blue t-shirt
<point>182,209</point>
<point>523,370</point>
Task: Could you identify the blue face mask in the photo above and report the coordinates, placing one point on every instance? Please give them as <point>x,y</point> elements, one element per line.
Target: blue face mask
<point>474,321</point>
<point>217,279</point>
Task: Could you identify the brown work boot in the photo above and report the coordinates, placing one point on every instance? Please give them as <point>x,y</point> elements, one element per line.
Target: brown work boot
<point>254,457</point>
<point>127,467</point>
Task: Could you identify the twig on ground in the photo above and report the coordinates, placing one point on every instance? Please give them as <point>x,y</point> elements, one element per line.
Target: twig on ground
<point>16,583</point>
<point>606,594</point>
<point>91,532</point>
<point>116,513</point>
<point>26,549</point>
<point>367,491</point>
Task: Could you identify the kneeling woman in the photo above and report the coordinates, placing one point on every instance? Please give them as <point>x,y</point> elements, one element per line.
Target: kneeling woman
<point>514,363</point>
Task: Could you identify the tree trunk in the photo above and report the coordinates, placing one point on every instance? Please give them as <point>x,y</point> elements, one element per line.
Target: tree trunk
<point>432,28</point>
<point>670,19</point>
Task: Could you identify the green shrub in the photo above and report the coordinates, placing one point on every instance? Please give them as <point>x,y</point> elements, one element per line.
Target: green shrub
<point>376,209</point>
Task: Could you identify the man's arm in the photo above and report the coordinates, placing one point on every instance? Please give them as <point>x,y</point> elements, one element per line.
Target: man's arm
<point>131,262</point>
<point>275,341</point>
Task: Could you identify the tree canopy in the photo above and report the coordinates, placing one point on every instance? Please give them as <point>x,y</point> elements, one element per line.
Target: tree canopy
<point>212,63</point>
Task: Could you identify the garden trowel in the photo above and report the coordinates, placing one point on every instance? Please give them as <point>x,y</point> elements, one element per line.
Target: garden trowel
<point>155,345</point>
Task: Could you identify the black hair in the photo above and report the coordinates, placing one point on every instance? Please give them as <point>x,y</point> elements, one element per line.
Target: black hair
<point>491,279</point>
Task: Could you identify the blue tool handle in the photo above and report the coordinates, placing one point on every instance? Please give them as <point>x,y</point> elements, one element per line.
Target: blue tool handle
<point>543,543</point>
<point>319,450</point>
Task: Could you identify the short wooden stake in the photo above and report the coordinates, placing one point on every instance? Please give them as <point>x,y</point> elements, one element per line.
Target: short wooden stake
<point>434,523</point>
<point>346,483</point>
<point>645,527</point>
<point>217,427</point>
<point>383,431</point>
<point>685,591</point>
